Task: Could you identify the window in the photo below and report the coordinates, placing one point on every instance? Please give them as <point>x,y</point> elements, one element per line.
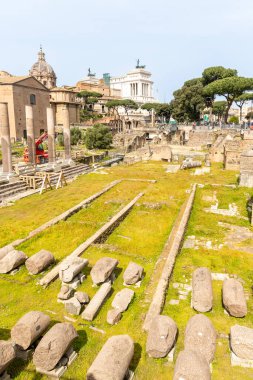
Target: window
<point>32,99</point>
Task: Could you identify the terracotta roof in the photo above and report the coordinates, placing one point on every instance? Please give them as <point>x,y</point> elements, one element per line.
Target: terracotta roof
<point>12,80</point>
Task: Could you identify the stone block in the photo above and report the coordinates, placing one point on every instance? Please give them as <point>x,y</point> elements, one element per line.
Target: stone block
<point>82,297</point>
<point>70,269</point>
<point>161,336</point>
<point>29,328</point>
<point>133,273</point>
<point>97,301</point>
<point>113,360</point>
<point>73,306</point>
<point>113,316</point>
<point>202,292</point>
<point>54,345</point>
<point>234,298</point>
<point>191,365</point>
<point>241,341</point>
<point>7,355</point>
<point>12,260</point>
<point>122,299</point>
<point>103,269</point>
<point>200,336</point>
<point>66,292</point>
<point>39,262</point>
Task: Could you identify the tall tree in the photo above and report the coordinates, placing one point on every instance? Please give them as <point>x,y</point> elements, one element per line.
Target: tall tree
<point>241,100</point>
<point>219,108</point>
<point>211,74</point>
<point>188,101</point>
<point>161,109</point>
<point>231,88</point>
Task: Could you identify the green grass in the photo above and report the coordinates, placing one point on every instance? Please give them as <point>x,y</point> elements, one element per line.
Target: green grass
<point>140,237</point>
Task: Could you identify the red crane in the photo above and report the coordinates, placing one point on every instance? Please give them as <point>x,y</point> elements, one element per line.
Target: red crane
<point>41,154</point>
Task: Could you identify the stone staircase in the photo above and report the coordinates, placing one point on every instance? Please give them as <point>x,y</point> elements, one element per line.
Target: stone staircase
<point>9,189</point>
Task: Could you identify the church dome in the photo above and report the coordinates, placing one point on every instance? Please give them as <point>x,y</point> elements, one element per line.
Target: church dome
<point>4,74</point>
<point>42,71</point>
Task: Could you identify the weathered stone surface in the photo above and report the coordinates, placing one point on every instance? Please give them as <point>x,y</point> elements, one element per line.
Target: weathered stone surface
<point>82,297</point>
<point>234,298</point>
<point>132,274</point>
<point>191,365</point>
<point>96,302</point>
<point>161,336</point>
<point>12,260</point>
<point>73,306</point>
<point>40,261</point>
<point>113,360</point>
<point>241,341</point>
<point>7,354</point>
<point>65,293</point>
<point>103,269</point>
<point>53,345</point>
<point>200,336</point>
<point>122,299</point>
<point>69,270</point>
<point>113,316</point>
<point>29,328</point>
<point>202,292</point>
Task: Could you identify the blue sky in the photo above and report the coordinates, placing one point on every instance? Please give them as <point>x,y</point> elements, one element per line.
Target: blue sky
<point>175,39</point>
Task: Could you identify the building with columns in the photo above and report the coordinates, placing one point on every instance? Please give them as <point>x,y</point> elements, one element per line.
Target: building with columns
<point>19,92</point>
<point>136,85</point>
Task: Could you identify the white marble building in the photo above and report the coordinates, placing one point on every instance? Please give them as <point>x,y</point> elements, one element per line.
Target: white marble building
<point>136,85</point>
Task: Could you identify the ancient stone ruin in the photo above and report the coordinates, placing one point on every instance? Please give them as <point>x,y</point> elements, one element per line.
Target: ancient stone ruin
<point>103,269</point>
<point>29,328</point>
<point>12,260</point>
<point>234,298</point>
<point>132,274</point>
<point>191,365</point>
<point>161,336</point>
<point>241,341</point>
<point>202,292</point>
<point>7,355</point>
<point>53,346</point>
<point>70,269</point>
<point>200,336</point>
<point>39,262</point>
<point>97,301</point>
<point>113,361</point>
<point>122,299</point>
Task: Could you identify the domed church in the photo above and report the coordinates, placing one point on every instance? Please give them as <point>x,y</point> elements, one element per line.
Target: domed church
<point>42,71</point>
